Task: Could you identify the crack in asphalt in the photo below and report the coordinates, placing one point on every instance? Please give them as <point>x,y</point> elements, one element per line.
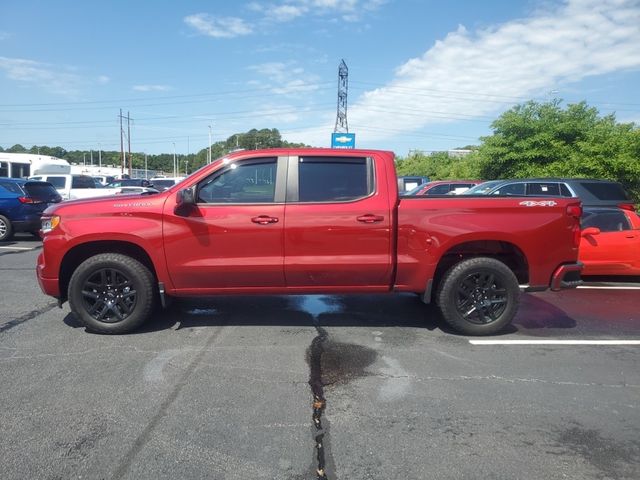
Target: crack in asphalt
<point>28,316</point>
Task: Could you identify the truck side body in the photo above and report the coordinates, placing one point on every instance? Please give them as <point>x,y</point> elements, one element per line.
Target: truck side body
<point>332,222</point>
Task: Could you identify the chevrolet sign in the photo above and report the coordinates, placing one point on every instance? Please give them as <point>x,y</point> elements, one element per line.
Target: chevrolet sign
<point>343,140</point>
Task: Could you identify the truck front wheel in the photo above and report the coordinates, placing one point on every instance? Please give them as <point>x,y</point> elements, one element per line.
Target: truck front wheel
<point>478,296</point>
<point>111,293</point>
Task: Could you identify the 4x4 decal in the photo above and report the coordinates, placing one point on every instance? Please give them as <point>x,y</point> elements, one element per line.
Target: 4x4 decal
<point>542,203</point>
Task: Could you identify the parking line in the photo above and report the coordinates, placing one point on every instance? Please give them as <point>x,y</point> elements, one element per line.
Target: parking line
<point>604,287</point>
<point>18,248</point>
<point>554,342</point>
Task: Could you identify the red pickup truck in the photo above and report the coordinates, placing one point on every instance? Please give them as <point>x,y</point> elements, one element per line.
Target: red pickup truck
<point>305,221</point>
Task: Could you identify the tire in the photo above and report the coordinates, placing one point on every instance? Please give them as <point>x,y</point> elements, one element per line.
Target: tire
<point>478,296</point>
<point>6,229</point>
<point>111,293</point>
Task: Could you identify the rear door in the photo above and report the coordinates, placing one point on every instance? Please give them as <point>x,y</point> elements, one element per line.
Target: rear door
<point>337,223</point>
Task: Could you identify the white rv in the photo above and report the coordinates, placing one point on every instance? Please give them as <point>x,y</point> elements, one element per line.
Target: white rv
<point>24,165</point>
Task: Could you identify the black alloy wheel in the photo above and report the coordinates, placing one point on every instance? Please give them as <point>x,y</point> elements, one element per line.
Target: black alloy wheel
<point>109,295</point>
<point>478,296</point>
<point>112,293</point>
<point>481,297</point>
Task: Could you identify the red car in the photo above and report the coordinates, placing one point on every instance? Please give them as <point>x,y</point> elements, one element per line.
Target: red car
<point>443,187</point>
<point>610,243</point>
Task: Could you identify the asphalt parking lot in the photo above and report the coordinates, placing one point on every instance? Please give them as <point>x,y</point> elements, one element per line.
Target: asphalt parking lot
<point>224,388</point>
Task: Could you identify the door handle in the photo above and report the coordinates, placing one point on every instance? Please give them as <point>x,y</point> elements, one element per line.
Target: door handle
<point>264,219</point>
<point>370,218</point>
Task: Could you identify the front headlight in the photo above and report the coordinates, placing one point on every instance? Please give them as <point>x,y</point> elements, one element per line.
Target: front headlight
<point>49,223</point>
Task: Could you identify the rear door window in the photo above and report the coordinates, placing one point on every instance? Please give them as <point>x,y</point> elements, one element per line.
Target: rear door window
<point>334,179</point>
<point>543,189</point>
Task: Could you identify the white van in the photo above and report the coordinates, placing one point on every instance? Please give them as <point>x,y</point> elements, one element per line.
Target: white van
<point>73,187</point>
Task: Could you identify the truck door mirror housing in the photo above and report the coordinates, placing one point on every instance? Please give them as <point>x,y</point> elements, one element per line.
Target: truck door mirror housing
<point>185,201</point>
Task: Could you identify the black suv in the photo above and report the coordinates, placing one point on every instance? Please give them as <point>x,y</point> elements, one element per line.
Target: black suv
<point>593,193</point>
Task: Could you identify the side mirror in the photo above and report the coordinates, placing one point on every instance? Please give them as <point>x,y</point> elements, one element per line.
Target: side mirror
<point>185,201</point>
<point>590,231</point>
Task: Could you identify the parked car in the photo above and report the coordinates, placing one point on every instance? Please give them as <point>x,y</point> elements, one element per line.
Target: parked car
<point>130,182</point>
<point>164,183</point>
<point>136,190</point>
<point>443,187</point>
<point>22,203</point>
<point>409,183</point>
<point>592,192</point>
<point>104,179</point>
<point>610,243</point>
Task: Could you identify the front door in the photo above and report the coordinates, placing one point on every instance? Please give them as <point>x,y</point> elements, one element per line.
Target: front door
<point>234,236</point>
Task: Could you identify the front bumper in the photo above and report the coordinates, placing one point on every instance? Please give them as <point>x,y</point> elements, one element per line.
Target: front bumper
<point>49,286</point>
<point>566,276</point>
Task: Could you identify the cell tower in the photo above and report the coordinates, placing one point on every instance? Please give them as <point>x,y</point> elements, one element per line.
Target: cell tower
<point>343,87</point>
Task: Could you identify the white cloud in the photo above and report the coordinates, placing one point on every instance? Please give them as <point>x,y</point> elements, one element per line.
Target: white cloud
<point>49,77</point>
<point>103,79</point>
<point>218,27</point>
<point>4,35</point>
<point>151,88</point>
<point>286,78</point>
<point>285,13</point>
<point>481,73</point>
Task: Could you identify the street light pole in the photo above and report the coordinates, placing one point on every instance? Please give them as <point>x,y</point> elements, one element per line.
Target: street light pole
<point>100,155</point>
<point>146,171</point>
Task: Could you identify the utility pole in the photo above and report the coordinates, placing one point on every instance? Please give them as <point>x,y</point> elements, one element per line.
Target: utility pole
<point>91,157</point>
<point>121,145</point>
<point>100,155</point>
<point>84,159</point>
<point>209,156</point>
<point>129,140</point>
<point>146,170</point>
<point>174,160</point>
<point>123,158</point>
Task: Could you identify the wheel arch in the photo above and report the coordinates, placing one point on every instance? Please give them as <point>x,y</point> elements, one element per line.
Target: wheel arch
<point>79,253</point>
<point>506,252</point>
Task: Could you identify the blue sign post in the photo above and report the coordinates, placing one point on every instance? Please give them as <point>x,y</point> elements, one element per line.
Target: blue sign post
<point>343,140</point>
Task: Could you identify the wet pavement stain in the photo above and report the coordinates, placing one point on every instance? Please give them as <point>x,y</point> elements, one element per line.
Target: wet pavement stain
<point>331,363</point>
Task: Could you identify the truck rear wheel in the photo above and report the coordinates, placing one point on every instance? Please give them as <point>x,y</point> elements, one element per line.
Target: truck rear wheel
<point>479,296</point>
<point>111,293</point>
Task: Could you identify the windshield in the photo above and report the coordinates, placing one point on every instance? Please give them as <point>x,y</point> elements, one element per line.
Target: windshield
<point>483,188</point>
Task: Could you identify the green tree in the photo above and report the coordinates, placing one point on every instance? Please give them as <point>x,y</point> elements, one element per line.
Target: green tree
<point>439,166</point>
<point>543,139</point>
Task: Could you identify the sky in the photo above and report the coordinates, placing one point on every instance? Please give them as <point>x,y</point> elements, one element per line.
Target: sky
<point>423,74</point>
